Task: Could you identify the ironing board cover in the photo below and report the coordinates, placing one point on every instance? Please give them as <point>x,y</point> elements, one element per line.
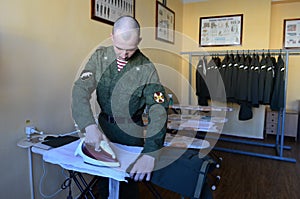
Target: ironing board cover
<point>64,156</point>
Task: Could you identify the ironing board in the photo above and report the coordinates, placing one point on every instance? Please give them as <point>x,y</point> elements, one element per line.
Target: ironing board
<point>64,156</point>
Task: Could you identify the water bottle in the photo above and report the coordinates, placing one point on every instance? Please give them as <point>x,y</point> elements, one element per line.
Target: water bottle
<point>171,102</point>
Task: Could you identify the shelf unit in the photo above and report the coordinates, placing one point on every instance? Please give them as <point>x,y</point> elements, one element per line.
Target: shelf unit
<point>291,123</point>
<point>279,143</point>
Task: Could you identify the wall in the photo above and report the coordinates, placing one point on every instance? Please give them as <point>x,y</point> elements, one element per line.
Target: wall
<point>279,13</point>
<point>256,22</point>
<point>42,45</point>
<point>163,54</point>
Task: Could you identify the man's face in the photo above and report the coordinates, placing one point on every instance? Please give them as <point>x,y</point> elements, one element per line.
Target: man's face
<point>125,44</point>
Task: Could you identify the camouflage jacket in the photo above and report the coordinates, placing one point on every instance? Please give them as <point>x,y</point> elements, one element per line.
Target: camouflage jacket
<point>123,94</point>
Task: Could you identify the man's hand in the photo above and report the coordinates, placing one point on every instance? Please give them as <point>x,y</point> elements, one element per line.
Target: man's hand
<point>143,167</point>
<point>94,136</point>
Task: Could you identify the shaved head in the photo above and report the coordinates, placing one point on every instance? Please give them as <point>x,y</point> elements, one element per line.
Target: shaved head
<point>126,25</point>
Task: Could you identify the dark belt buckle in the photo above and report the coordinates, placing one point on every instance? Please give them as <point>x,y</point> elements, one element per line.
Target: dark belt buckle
<point>111,119</point>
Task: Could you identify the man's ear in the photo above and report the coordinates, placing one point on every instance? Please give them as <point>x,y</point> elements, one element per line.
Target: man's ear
<point>140,39</point>
<point>112,36</point>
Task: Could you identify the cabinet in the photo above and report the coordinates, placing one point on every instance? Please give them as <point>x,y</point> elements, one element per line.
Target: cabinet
<point>290,125</point>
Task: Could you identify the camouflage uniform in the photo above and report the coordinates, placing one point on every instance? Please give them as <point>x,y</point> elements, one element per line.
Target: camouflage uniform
<point>122,97</point>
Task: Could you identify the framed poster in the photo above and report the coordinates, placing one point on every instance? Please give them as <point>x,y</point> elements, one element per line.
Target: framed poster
<point>165,23</point>
<point>291,33</point>
<point>221,30</point>
<point>108,11</point>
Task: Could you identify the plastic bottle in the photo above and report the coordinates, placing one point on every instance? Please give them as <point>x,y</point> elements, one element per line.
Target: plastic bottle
<point>171,102</point>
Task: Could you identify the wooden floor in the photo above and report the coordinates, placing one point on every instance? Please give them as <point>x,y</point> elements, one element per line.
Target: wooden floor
<point>247,177</point>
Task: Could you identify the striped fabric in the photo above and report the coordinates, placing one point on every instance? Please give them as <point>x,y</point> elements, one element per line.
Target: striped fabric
<point>121,64</point>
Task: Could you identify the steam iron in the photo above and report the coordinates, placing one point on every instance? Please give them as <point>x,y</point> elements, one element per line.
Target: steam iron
<point>103,157</point>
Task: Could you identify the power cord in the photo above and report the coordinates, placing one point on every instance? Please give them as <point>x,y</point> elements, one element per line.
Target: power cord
<point>67,184</point>
<point>40,185</point>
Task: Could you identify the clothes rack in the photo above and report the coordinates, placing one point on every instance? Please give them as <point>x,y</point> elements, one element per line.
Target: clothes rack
<point>279,143</point>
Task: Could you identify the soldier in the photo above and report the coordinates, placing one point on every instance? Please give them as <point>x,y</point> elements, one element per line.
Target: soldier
<point>125,82</point>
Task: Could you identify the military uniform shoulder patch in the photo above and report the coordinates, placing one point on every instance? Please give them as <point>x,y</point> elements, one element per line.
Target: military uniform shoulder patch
<point>158,97</point>
<point>85,75</point>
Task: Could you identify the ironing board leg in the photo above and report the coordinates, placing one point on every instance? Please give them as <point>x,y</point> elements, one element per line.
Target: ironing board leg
<point>85,188</point>
<point>152,190</point>
<point>114,187</point>
<point>88,187</point>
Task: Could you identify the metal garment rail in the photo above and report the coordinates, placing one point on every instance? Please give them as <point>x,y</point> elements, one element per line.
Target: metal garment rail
<point>279,143</point>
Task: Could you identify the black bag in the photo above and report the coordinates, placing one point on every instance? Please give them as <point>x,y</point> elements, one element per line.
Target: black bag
<point>187,175</point>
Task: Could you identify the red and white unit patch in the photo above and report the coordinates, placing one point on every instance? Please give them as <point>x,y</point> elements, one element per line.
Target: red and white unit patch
<point>159,97</point>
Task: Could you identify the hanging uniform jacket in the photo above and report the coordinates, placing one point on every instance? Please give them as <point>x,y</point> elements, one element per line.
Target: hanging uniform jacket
<point>262,76</point>
<point>250,79</point>
<point>245,112</point>
<point>211,78</point>
<point>222,69</point>
<point>228,77</point>
<point>282,92</point>
<point>277,101</point>
<point>268,81</point>
<point>239,93</point>
<point>234,77</point>
<point>223,66</point>
<point>254,81</point>
<point>220,93</point>
<point>201,86</point>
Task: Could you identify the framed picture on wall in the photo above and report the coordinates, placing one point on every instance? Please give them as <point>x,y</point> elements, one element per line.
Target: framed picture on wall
<point>165,23</point>
<point>291,33</point>
<point>108,11</point>
<point>221,30</point>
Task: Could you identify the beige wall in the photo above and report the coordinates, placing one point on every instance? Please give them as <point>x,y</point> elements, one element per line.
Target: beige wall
<point>163,54</point>
<point>256,22</point>
<point>279,13</point>
<point>42,45</point>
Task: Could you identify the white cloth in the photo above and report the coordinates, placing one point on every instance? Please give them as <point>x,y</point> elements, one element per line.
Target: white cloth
<point>64,156</point>
<point>182,141</point>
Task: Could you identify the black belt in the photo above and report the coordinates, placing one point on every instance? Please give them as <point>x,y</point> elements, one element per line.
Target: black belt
<point>119,120</point>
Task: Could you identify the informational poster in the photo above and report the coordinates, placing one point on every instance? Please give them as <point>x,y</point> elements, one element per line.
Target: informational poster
<point>165,23</point>
<point>291,36</point>
<point>108,11</point>
<point>221,30</point>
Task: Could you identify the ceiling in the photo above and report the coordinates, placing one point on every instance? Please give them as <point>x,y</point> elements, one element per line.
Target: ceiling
<point>284,1</point>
